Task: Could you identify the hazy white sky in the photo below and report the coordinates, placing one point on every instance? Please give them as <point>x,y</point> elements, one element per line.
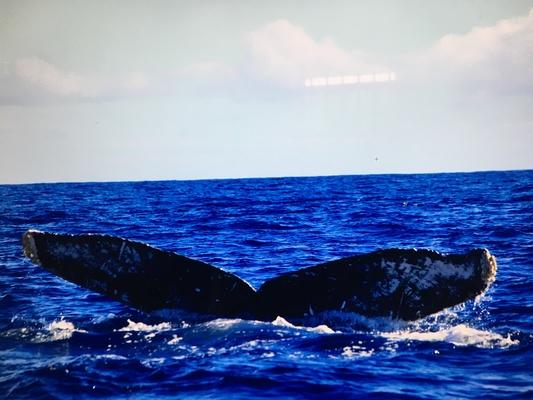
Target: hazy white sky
<point>134,90</point>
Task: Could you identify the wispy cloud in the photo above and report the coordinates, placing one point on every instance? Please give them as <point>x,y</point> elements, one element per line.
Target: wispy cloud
<point>33,79</point>
<point>284,53</point>
<point>51,79</point>
<point>38,78</point>
<point>207,70</point>
<point>498,57</point>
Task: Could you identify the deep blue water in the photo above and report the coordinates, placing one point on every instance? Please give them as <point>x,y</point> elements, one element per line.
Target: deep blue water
<point>58,340</point>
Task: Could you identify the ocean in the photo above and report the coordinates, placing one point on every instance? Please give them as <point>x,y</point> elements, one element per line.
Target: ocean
<point>58,340</point>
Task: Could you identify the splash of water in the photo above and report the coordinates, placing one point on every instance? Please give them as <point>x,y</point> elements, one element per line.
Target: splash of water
<point>458,335</point>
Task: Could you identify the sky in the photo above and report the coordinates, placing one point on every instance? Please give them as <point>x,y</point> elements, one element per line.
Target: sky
<point>150,90</point>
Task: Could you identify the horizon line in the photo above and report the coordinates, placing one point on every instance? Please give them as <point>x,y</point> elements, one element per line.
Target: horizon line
<point>263,177</point>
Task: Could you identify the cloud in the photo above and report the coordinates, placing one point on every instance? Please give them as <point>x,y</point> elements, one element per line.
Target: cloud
<point>498,57</point>
<point>135,82</point>
<point>207,71</point>
<point>44,75</point>
<point>206,77</point>
<point>278,53</point>
<point>36,78</point>
<point>283,53</point>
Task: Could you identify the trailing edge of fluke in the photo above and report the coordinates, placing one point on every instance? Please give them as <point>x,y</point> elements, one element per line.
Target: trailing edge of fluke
<point>403,284</point>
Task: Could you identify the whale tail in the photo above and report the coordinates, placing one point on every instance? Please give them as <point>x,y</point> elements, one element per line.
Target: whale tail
<point>405,284</point>
<point>401,283</point>
<point>140,275</point>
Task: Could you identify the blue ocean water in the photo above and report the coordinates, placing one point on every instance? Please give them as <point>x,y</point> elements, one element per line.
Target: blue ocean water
<point>58,340</point>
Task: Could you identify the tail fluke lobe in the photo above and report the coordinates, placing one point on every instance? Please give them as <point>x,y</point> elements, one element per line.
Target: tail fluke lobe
<point>405,284</point>
<point>140,275</point>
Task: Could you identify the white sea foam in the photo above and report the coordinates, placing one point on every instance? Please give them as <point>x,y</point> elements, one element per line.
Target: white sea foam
<point>142,327</point>
<point>223,323</point>
<point>61,330</point>
<point>110,357</point>
<point>153,362</point>
<point>356,352</point>
<point>279,321</point>
<point>57,330</point>
<point>459,335</point>
<point>175,340</point>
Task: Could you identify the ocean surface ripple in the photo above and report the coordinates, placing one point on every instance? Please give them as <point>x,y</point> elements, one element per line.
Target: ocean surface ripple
<point>58,340</point>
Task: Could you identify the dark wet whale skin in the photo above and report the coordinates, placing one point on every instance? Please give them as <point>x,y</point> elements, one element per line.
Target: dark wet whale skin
<point>405,284</point>
<point>138,274</point>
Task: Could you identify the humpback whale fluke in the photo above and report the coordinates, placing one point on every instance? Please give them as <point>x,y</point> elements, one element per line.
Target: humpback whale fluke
<point>406,284</point>
<point>138,274</point>
<point>400,283</point>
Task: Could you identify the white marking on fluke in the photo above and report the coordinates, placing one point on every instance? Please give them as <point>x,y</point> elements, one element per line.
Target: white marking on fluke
<point>121,250</point>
